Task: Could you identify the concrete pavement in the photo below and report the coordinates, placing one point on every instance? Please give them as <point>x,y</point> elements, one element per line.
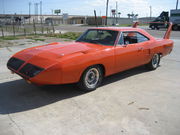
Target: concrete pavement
<point>134,102</point>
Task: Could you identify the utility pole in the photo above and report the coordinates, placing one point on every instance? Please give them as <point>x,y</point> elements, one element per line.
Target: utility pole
<point>95,18</point>
<point>150,11</point>
<point>3,7</point>
<point>36,10</point>
<point>41,8</point>
<point>29,12</point>
<point>116,11</point>
<point>177,4</point>
<point>107,4</point>
<point>41,11</point>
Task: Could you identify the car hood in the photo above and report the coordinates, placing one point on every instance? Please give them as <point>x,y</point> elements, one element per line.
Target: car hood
<point>46,55</point>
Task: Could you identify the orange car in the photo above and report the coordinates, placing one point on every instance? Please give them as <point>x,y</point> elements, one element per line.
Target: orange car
<point>97,53</point>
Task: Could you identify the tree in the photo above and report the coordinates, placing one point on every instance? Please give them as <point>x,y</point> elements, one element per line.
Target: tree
<point>129,15</point>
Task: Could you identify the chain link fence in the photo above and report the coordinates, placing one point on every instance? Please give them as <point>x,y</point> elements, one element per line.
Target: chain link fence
<point>17,29</point>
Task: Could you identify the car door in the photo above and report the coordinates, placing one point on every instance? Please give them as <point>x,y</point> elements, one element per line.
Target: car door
<point>131,51</point>
<point>143,47</point>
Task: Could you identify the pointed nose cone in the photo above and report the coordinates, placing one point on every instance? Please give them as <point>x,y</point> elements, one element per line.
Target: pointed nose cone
<point>44,56</point>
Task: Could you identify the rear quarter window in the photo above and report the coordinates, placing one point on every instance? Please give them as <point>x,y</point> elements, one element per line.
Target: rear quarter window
<point>132,38</point>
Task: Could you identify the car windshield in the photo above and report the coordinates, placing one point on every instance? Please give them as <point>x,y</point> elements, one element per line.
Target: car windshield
<point>97,36</point>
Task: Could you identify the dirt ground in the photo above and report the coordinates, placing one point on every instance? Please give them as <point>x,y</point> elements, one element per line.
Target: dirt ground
<point>24,41</point>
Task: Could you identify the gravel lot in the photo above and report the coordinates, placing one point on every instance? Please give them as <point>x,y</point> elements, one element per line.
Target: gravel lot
<point>134,102</point>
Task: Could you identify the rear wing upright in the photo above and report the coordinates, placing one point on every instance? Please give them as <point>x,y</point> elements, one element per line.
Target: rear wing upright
<point>135,25</point>
<point>168,32</point>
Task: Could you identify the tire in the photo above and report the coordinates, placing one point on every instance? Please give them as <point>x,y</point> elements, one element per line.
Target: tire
<point>152,27</point>
<point>157,28</point>
<point>154,63</point>
<point>91,78</point>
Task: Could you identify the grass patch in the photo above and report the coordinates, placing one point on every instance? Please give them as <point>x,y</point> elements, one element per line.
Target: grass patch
<point>124,25</point>
<point>68,35</point>
<point>38,39</point>
<point>9,38</point>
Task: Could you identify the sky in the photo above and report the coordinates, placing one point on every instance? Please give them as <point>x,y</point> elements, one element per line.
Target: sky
<point>86,7</point>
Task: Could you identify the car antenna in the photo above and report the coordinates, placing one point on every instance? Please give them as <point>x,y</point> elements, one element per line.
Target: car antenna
<point>95,18</point>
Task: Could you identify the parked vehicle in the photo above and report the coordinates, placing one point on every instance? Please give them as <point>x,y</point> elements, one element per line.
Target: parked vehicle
<point>164,18</point>
<point>98,53</point>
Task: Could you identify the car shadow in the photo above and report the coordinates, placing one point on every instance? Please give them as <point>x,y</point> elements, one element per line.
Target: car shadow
<point>124,74</point>
<point>18,96</point>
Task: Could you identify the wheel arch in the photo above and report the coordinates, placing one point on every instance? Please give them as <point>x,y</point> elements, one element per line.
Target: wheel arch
<point>103,68</point>
<point>99,65</point>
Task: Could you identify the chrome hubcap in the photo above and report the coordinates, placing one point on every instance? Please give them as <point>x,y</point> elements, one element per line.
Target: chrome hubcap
<point>155,60</point>
<point>92,78</point>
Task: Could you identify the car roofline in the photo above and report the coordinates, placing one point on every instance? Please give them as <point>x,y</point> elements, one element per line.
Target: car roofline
<point>125,29</point>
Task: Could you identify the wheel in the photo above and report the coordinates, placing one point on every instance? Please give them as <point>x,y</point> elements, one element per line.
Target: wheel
<point>154,63</point>
<point>157,28</point>
<point>175,27</point>
<point>91,78</point>
<point>152,27</point>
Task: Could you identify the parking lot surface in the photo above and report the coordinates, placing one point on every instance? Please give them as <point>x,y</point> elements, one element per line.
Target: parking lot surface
<point>134,102</point>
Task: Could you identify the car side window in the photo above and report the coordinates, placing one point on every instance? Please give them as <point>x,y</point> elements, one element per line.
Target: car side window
<point>131,38</point>
<point>141,38</point>
<point>121,40</point>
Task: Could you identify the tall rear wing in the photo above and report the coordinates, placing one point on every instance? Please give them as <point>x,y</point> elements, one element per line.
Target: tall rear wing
<point>168,32</point>
<point>135,25</point>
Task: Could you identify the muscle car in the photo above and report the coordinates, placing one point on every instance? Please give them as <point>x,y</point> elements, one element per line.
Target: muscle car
<point>97,53</point>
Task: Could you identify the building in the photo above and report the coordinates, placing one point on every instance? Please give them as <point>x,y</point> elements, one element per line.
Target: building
<point>64,19</point>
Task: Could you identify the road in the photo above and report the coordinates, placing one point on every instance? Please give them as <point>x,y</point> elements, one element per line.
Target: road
<point>134,102</point>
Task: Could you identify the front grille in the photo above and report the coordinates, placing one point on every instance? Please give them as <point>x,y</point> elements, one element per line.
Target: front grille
<point>30,70</point>
<point>14,63</point>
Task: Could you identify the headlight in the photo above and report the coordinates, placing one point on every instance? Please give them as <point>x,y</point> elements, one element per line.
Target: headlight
<point>31,70</point>
<point>15,63</point>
